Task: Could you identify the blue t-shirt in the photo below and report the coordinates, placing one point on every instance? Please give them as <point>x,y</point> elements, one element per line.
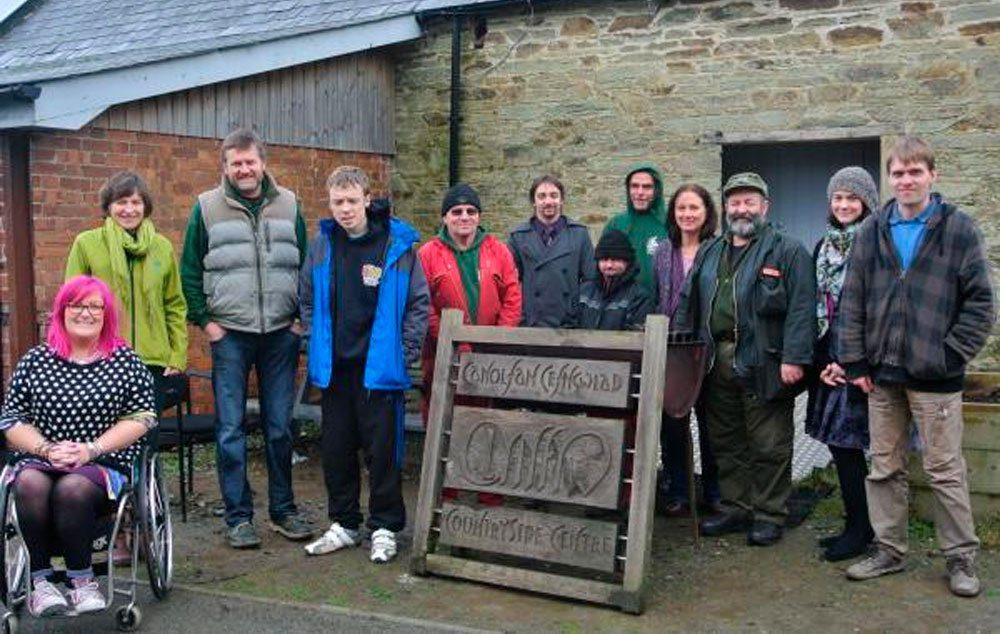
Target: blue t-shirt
<point>908,234</point>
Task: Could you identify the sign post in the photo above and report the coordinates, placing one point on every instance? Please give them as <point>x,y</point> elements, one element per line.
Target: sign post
<point>565,425</point>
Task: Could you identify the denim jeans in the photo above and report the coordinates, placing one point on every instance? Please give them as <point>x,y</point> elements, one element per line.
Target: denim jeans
<point>275,356</point>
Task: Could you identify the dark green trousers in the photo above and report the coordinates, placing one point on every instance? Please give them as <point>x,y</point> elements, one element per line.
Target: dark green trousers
<point>752,442</point>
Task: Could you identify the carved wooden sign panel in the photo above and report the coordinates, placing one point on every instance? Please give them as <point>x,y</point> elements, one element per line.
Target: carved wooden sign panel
<point>551,457</point>
<point>556,538</point>
<point>553,379</point>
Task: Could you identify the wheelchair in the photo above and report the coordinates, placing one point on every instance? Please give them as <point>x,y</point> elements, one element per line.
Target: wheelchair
<point>145,500</point>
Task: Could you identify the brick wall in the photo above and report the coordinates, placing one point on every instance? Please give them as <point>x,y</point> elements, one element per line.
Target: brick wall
<point>68,169</point>
<point>583,89</point>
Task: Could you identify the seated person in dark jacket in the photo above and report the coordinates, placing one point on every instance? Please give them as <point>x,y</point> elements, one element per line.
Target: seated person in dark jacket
<point>614,301</point>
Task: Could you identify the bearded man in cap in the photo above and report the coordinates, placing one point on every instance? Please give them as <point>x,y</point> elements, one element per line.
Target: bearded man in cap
<point>751,295</point>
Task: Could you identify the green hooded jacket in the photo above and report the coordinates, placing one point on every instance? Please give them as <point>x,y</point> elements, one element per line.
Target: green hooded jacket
<point>468,268</point>
<point>645,231</point>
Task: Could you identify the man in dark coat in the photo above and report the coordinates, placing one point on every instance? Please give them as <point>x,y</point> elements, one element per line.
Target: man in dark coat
<point>917,306</point>
<point>751,294</point>
<point>553,255</point>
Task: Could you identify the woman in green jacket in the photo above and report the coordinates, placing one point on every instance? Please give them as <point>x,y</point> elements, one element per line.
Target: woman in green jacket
<point>139,265</point>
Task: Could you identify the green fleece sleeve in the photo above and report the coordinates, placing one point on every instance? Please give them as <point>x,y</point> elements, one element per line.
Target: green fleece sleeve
<point>76,263</point>
<point>193,268</point>
<point>301,233</point>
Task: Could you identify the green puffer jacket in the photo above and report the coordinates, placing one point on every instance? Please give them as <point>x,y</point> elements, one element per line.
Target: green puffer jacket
<point>154,321</point>
<point>775,290</point>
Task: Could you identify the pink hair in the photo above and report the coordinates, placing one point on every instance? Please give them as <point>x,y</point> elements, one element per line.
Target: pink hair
<point>74,291</point>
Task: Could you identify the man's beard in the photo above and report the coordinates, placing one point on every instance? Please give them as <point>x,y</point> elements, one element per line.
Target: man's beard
<point>745,227</point>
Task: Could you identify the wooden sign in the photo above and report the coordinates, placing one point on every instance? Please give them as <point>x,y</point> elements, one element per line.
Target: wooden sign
<point>542,456</point>
<point>550,457</point>
<point>559,380</point>
<point>575,541</point>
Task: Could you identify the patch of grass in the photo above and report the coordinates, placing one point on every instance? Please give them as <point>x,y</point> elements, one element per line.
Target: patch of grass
<point>380,593</point>
<point>821,480</point>
<point>920,530</point>
<point>989,532</point>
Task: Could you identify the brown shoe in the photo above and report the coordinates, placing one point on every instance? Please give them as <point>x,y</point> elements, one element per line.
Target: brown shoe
<point>962,579</point>
<point>882,562</point>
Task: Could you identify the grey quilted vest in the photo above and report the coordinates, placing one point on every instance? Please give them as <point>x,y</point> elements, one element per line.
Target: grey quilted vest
<point>252,264</point>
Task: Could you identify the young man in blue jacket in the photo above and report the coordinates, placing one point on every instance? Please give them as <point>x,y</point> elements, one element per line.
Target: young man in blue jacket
<point>365,303</point>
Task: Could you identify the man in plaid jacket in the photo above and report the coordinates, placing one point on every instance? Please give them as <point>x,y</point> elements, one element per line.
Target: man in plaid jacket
<point>917,306</point>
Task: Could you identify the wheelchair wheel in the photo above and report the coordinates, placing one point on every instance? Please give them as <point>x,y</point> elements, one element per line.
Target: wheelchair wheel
<point>14,567</point>
<point>156,535</point>
<point>128,618</point>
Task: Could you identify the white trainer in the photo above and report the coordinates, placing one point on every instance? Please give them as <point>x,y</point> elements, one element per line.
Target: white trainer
<point>46,600</point>
<point>383,546</point>
<point>335,538</point>
<point>86,597</point>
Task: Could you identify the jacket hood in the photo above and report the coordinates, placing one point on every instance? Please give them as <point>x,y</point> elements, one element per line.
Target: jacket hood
<point>402,236</point>
<point>480,236</point>
<point>658,209</point>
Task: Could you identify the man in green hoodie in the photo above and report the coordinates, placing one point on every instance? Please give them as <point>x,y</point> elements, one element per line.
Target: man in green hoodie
<point>244,244</point>
<point>644,220</point>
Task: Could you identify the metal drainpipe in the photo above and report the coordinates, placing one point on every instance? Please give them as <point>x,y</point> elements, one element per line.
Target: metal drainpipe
<point>456,102</point>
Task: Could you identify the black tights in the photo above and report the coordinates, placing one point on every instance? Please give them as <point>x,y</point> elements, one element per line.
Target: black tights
<point>58,513</point>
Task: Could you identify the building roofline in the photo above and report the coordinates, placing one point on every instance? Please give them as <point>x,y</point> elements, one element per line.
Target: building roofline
<point>69,103</point>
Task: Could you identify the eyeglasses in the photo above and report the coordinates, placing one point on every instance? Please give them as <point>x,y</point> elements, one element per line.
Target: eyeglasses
<point>458,212</point>
<point>95,310</point>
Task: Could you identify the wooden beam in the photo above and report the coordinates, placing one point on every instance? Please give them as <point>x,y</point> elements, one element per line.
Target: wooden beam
<point>18,246</point>
<point>648,419</point>
<point>549,337</point>
<point>510,577</point>
<point>438,422</point>
<point>793,136</point>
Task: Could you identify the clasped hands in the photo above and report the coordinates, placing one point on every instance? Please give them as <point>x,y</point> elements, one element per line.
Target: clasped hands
<point>68,455</point>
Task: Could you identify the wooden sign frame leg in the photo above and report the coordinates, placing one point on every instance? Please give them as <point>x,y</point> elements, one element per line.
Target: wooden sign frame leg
<point>438,423</point>
<point>648,419</point>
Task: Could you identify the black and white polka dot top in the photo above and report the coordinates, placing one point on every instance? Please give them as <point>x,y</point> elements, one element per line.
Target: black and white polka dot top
<point>80,401</point>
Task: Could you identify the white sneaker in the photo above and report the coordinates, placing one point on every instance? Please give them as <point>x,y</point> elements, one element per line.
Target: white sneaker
<point>86,597</point>
<point>383,546</point>
<point>335,538</point>
<point>46,600</point>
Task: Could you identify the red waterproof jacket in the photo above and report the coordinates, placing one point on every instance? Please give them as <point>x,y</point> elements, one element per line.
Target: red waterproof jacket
<point>499,292</point>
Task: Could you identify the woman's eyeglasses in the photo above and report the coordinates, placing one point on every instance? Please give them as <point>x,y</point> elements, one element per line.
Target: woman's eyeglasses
<point>95,310</point>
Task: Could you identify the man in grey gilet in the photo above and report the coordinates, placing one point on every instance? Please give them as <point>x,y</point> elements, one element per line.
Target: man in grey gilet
<point>243,247</point>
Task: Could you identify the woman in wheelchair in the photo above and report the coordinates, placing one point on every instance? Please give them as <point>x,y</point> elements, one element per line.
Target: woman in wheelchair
<point>74,412</point>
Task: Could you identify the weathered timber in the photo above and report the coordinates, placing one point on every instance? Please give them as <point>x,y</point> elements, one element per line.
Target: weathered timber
<point>574,541</point>
<point>511,577</point>
<point>549,337</point>
<point>548,379</point>
<point>551,457</point>
<point>438,422</point>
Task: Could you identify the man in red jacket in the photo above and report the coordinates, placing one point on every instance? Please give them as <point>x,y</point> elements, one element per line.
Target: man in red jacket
<point>470,270</point>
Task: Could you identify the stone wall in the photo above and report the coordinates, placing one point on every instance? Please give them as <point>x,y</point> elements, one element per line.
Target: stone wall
<point>68,168</point>
<point>582,89</point>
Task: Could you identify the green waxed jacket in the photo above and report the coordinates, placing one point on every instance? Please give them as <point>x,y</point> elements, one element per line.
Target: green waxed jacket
<point>154,321</point>
<point>775,296</point>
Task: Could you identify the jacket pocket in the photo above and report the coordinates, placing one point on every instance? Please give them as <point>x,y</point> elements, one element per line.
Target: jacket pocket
<point>772,298</point>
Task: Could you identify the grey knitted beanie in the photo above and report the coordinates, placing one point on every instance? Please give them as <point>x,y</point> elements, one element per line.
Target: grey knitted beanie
<point>859,182</point>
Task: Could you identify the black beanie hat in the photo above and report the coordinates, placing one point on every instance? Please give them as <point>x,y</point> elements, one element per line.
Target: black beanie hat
<point>614,245</point>
<point>460,194</point>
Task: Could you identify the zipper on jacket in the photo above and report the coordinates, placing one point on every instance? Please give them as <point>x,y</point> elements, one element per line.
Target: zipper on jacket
<point>736,318</point>
<point>260,274</point>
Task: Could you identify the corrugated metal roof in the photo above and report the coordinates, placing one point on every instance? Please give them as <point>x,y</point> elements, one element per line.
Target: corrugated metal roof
<point>48,39</point>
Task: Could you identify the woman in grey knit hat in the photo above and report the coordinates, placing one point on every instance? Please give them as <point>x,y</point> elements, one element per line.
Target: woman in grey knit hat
<point>838,411</point>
